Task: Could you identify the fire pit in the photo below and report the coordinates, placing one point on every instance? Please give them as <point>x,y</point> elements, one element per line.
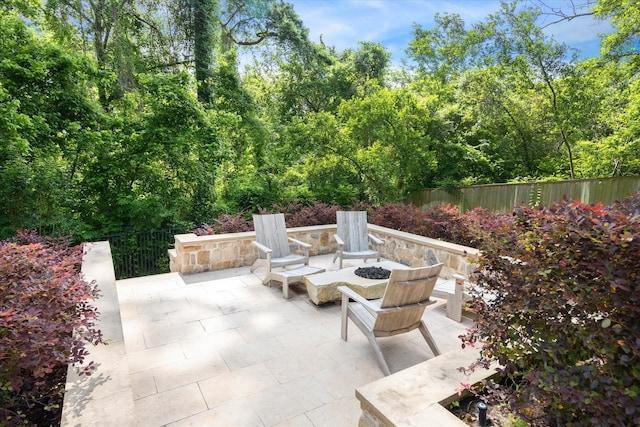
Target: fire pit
<point>372,272</point>
<point>322,287</point>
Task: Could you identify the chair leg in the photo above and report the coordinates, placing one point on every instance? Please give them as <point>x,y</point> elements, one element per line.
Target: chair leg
<point>374,343</point>
<point>345,312</point>
<point>261,262</point>
<point>269,277</point>
<point>285,288</point>
<point>378,353</point>
<point>336,256</point>
<point>428,338</point>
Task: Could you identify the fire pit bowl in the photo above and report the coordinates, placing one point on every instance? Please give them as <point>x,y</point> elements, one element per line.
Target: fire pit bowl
<point>373,272</point>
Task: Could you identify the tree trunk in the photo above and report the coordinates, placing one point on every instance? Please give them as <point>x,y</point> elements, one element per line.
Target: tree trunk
<point>205,14</point>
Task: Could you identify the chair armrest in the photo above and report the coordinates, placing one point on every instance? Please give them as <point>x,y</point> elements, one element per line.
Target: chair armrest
<point>261,247</point>
<point>373,306</point>
<point>375,239</point>
<point>298,242</point>
<point>348,293</point>
<point>353,294</point>
<point>303,245</point>
<point>339,240</point>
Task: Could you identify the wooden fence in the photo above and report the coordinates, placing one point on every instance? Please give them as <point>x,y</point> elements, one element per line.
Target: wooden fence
<point>503,197</point>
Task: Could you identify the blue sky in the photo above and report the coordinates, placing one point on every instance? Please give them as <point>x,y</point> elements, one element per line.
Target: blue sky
<point>343,23</point>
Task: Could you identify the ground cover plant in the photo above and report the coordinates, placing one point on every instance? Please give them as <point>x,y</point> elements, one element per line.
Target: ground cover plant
<point>46,319</point>
<point>560,309</point>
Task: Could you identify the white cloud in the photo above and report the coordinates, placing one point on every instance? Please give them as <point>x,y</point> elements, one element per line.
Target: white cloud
<point>343,23</point>
<point>579,30</point>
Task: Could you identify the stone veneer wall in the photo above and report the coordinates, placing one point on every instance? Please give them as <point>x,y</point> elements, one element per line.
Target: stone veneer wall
<point>198,254</point>
<point>417,251</point>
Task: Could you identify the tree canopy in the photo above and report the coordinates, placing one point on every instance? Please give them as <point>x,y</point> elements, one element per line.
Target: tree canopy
<point>140,114</point>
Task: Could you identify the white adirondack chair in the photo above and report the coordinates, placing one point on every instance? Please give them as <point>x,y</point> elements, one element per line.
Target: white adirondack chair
<point>399,311</point>
<point>353,238</point>
<point>273,244</point>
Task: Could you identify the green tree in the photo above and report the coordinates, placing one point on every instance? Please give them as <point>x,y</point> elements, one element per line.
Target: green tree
<point>217,26</point>
<point>48,124</point>
<point>371,62</point>
<point>623,43</point>
<point>27,8</point>
<point>158,167</point>
<point>539,64</point>
<point>613,146</point>
<point>326,167</point>
<point>101,28</point>
<point>444,50</point>
<point>204,13</point>
<point>378,147</point>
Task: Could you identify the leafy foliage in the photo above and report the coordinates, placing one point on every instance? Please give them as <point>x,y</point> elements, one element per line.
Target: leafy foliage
<point>46,115</point>
<point>622,43</point>
<point>296,215</point>
<point>442,222</point>
<point>560,310</point>
<point>225,223</point>
<point>299,215</point>
<point>46,319</point>
<point>102,129</point>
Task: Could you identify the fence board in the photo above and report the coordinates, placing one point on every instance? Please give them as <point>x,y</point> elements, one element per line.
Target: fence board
<point>503,197</point>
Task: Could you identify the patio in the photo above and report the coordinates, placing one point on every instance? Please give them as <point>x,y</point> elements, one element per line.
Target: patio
<point>222,349</point>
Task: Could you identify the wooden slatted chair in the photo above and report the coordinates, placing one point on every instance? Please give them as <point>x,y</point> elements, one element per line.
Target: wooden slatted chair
<point>399,311</point>
<point>273,244</point>
<point>353,238</point>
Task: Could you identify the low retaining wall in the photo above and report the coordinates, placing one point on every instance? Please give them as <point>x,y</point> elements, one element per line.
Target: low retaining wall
<point>417,251</point>
<point>199,254</point>
<point>418,395</point>
<point>90,400</point>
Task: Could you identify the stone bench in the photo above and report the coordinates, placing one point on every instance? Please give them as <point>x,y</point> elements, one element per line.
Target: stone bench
<point>418,396</point>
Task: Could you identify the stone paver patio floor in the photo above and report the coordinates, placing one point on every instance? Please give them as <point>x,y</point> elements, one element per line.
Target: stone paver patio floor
<point>221,349</point>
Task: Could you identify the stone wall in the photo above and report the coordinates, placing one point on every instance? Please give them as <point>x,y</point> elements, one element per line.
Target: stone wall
<point>198,254</point>
<point>416,251</point>
<point>421,392</point>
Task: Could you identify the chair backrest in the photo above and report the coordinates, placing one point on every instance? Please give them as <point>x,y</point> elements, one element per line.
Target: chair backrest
<point>406,287</point>
<point>271,231</point>
<point>352,228</point>
<point>410,286</point>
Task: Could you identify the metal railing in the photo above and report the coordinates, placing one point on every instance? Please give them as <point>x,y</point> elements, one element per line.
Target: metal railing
<point>141,253</point>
